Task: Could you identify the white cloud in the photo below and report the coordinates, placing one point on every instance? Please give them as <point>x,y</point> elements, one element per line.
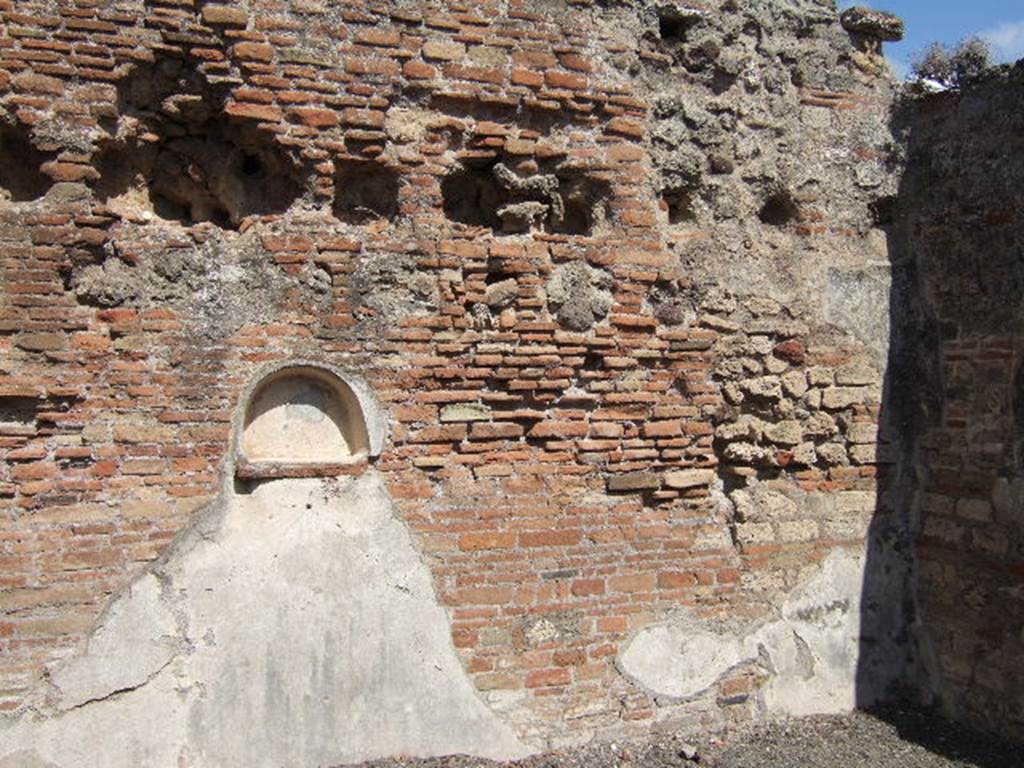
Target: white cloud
<point>1007,40</point>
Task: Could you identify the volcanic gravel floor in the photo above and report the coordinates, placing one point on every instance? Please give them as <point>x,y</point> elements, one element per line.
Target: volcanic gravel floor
<point>886,738</point>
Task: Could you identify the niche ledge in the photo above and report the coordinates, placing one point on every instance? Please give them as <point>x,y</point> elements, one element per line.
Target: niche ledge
<point>274,470</point>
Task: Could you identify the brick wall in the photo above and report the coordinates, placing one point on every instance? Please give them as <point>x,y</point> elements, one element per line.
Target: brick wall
<point>960,244</point>
<point>575,400</point>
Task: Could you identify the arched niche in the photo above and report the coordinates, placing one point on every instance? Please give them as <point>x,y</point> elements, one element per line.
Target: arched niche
<point>305,421</point>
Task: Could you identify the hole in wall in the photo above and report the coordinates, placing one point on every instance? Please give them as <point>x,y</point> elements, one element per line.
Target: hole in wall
<point>252,167</point>
<point>567,201</point>
<point>496,273</point>
<point>365,191</point>
<point>883,210</point>
<point>18,412</point>
<point>472,196</point>
<point>674,24</point>
<point>21,177</point>
<point>586,200</point>
<point>779,210</point>
<point>722,81</point>
<point>679,206</point>
<point>179,157</point>
<point>592,361</point>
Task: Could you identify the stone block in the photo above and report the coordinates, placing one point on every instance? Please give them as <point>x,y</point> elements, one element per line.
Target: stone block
<point>689,478</point>
<point>465,412</point>
<point>635,481</point>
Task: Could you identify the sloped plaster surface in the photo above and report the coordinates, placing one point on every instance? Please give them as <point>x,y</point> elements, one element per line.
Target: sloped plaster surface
<point>294,626</point>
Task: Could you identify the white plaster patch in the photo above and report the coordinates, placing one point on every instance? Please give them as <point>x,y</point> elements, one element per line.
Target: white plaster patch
<point>136,638</point>
<point>810,650</point>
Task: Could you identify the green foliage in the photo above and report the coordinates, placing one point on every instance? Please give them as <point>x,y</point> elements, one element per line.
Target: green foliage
<point>951,67</point>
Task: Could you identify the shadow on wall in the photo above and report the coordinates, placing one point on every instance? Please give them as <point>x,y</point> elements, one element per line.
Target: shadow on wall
<point>950,513</point>
<point>909,394</point>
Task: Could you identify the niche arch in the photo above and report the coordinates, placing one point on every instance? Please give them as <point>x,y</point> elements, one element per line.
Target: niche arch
<point>304,419</point>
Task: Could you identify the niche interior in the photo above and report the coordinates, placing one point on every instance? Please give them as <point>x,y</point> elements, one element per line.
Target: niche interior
<point>302,422</point>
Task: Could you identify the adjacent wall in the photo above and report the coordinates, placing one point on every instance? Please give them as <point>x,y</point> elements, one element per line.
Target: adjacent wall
<point>959,254</point>
<point>617,276</point>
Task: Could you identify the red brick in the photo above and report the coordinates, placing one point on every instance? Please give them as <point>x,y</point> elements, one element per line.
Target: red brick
<point>225,15</point>
<point>728,576</point>
<point>69,171</point>
<point>612,624</point>
<point>417,70</point>
<point>676,579</point>
<point>367,118</point>
<point>638,582</point>
<point>287,243</point>
<point>736,686</point>
<point>543,678</point>
<point>791,351</point>
<point>559,429</point>
<point>534,59</point>
<point>254,51</point>
<point>413,413</point>
<point>556,538</point>
<point>476,74</point>
<point>576,62</point>
<point>358,66</point>
<point>254,111</point>
<point>439,434</point>
<point>669,428</point>
<point>41,342</point>
<point>92,341</point>
<point>380,37</point>
<point>588,587</point>
<point>36,470</point>
<point>315,118</point>
<point>527,77</point>
<point>556,79</point>
<point>472,542</point>
<point>35,83</point>
<point>495,431</point>
<point>257,95</point>
<point>497,681</point>
<point>464,638</point>
<point>482,596</point>
<point>569,658</point>
<point>626,127</point>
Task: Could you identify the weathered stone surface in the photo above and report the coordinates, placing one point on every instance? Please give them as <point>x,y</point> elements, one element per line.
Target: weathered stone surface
<point>837,398</point>
<point>878,24</point>
<point>785,433</point>
<point>579,296</point>
<point>763,504</point>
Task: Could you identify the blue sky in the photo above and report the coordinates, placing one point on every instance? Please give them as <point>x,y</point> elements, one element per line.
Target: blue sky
<point>1000,22</point>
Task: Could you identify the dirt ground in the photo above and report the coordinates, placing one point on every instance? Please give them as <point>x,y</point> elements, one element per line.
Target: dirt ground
<point>886,738</point>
